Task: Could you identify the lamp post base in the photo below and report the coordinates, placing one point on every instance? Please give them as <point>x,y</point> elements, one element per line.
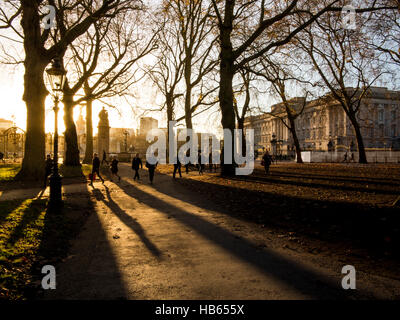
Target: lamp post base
<point>55,201</point>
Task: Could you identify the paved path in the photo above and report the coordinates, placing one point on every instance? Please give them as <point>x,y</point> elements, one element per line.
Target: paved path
<point>162,242</point>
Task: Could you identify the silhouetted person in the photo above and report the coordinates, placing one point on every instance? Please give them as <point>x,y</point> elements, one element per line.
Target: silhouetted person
<point>201,166</point>
<point>345,157</point>
<point>187,164</point>
<point>104,158</point>
<point>210,162</point>
<point>48,169</point>
<point>352,157</point>
<point>136,163</point>
<point>151,168</point>
<point>114,168</point>
<point>96,169</point>
<point>177,167</point>
<point>267,160</point>
<point>2,156</point>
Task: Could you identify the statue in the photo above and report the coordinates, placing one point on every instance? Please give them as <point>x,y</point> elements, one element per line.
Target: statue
<point>103,139</point>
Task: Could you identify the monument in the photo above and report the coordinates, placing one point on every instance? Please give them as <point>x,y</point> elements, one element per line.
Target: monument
<point>103,138</point>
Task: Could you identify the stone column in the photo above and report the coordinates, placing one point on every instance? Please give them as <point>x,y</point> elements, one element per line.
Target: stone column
<point>103,138</point>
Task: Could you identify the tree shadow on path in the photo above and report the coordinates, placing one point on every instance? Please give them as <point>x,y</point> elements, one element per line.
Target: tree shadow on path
<point>290,273</point>
<point>127,220</point>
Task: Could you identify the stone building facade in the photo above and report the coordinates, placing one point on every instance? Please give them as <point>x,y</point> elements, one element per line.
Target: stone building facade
<point>323,124</point>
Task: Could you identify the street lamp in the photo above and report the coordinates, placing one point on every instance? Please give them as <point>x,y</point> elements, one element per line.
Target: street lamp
<point>57,76</point>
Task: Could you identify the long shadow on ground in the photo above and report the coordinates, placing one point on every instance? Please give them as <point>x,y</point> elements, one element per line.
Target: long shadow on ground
<point>371,229</point>
<point>89,269</point>
<point>290,273</point>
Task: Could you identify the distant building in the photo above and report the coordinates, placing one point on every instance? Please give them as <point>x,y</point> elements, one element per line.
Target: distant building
<point>323,122</point>
<point>122,140</point>
<point>5,124</point>
<point>147,124</point>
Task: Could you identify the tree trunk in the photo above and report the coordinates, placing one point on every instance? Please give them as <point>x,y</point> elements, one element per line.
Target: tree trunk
<point>227,111</point>
<point>34,97</point>
<point>188,95</point>
<point>295,139</point>
<point>89,134</point>
<point>241,127</point>
<point>360,142</point>
<point>71,138</point>
<point>170,115</point>
<point>34,94</point>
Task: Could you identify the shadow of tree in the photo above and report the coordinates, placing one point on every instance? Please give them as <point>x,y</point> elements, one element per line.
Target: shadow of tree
<point>291,273</point>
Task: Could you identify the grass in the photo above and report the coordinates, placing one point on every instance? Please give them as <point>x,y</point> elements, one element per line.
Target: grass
<point>75,172</point>
<point>8,171</point>
<point>31,237</point>
<point>21,227</point>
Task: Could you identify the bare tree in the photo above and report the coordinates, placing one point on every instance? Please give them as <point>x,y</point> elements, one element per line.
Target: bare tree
<point>280,78</point>
<point>344,65</point>
<point>275,22</point>
<point>105,65</point>
<point>40,47</point>
<point>167,71</point>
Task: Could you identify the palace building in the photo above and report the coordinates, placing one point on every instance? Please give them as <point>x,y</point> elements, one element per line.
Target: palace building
<point>323,125</point>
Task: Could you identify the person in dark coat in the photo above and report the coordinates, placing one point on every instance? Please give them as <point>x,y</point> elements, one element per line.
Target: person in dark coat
<point>267,160</point>
<point>136,163</point>
<point>152,169</point>
<point>104,158</point>
<point>177,167</point>
<point>48,169</point>
<point>187,164</point>
<point>201,166</point>
<point>114,168</point>
<point>96,168</point>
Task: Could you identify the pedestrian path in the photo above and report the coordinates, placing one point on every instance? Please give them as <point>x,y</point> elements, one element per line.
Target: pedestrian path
<point>163,242</point>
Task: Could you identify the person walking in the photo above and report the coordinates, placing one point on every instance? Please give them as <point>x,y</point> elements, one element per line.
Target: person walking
<point>177,167</point>
<point>188,162</point>
<point>114,169</point>
<point>2,157</point>
<point>152,169</point>
<point>95,169</point>
<point>48,169</point>
<point>266,161</point>
<point>201,166</point>
<point>104,158</point>
<point>345,157</point>
<point>136,163</point>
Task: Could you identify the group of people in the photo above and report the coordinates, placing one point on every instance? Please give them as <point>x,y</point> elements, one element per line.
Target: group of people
<point>136,165</point>
<point>345,159</point>
<point>200,166</point>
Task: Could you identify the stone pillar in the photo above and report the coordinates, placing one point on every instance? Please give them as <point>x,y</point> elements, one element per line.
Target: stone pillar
<point>103,137</point>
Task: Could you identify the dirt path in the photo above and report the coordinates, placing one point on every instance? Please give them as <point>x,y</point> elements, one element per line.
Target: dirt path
<point>163,242</point>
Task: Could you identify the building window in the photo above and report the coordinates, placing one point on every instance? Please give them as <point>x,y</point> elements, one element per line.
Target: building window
<point>393,130</point>
<point>380,115</point>
<point>393,115</point>
<point>381,130</point>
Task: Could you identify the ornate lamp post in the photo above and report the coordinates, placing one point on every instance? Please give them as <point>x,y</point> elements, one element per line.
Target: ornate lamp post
<point>57,75</point>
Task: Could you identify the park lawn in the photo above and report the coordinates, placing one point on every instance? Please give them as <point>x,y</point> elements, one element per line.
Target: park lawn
<point>21,227</point>
<point>8,171</point>
<point>75,172</point>
<point>30,238</point>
